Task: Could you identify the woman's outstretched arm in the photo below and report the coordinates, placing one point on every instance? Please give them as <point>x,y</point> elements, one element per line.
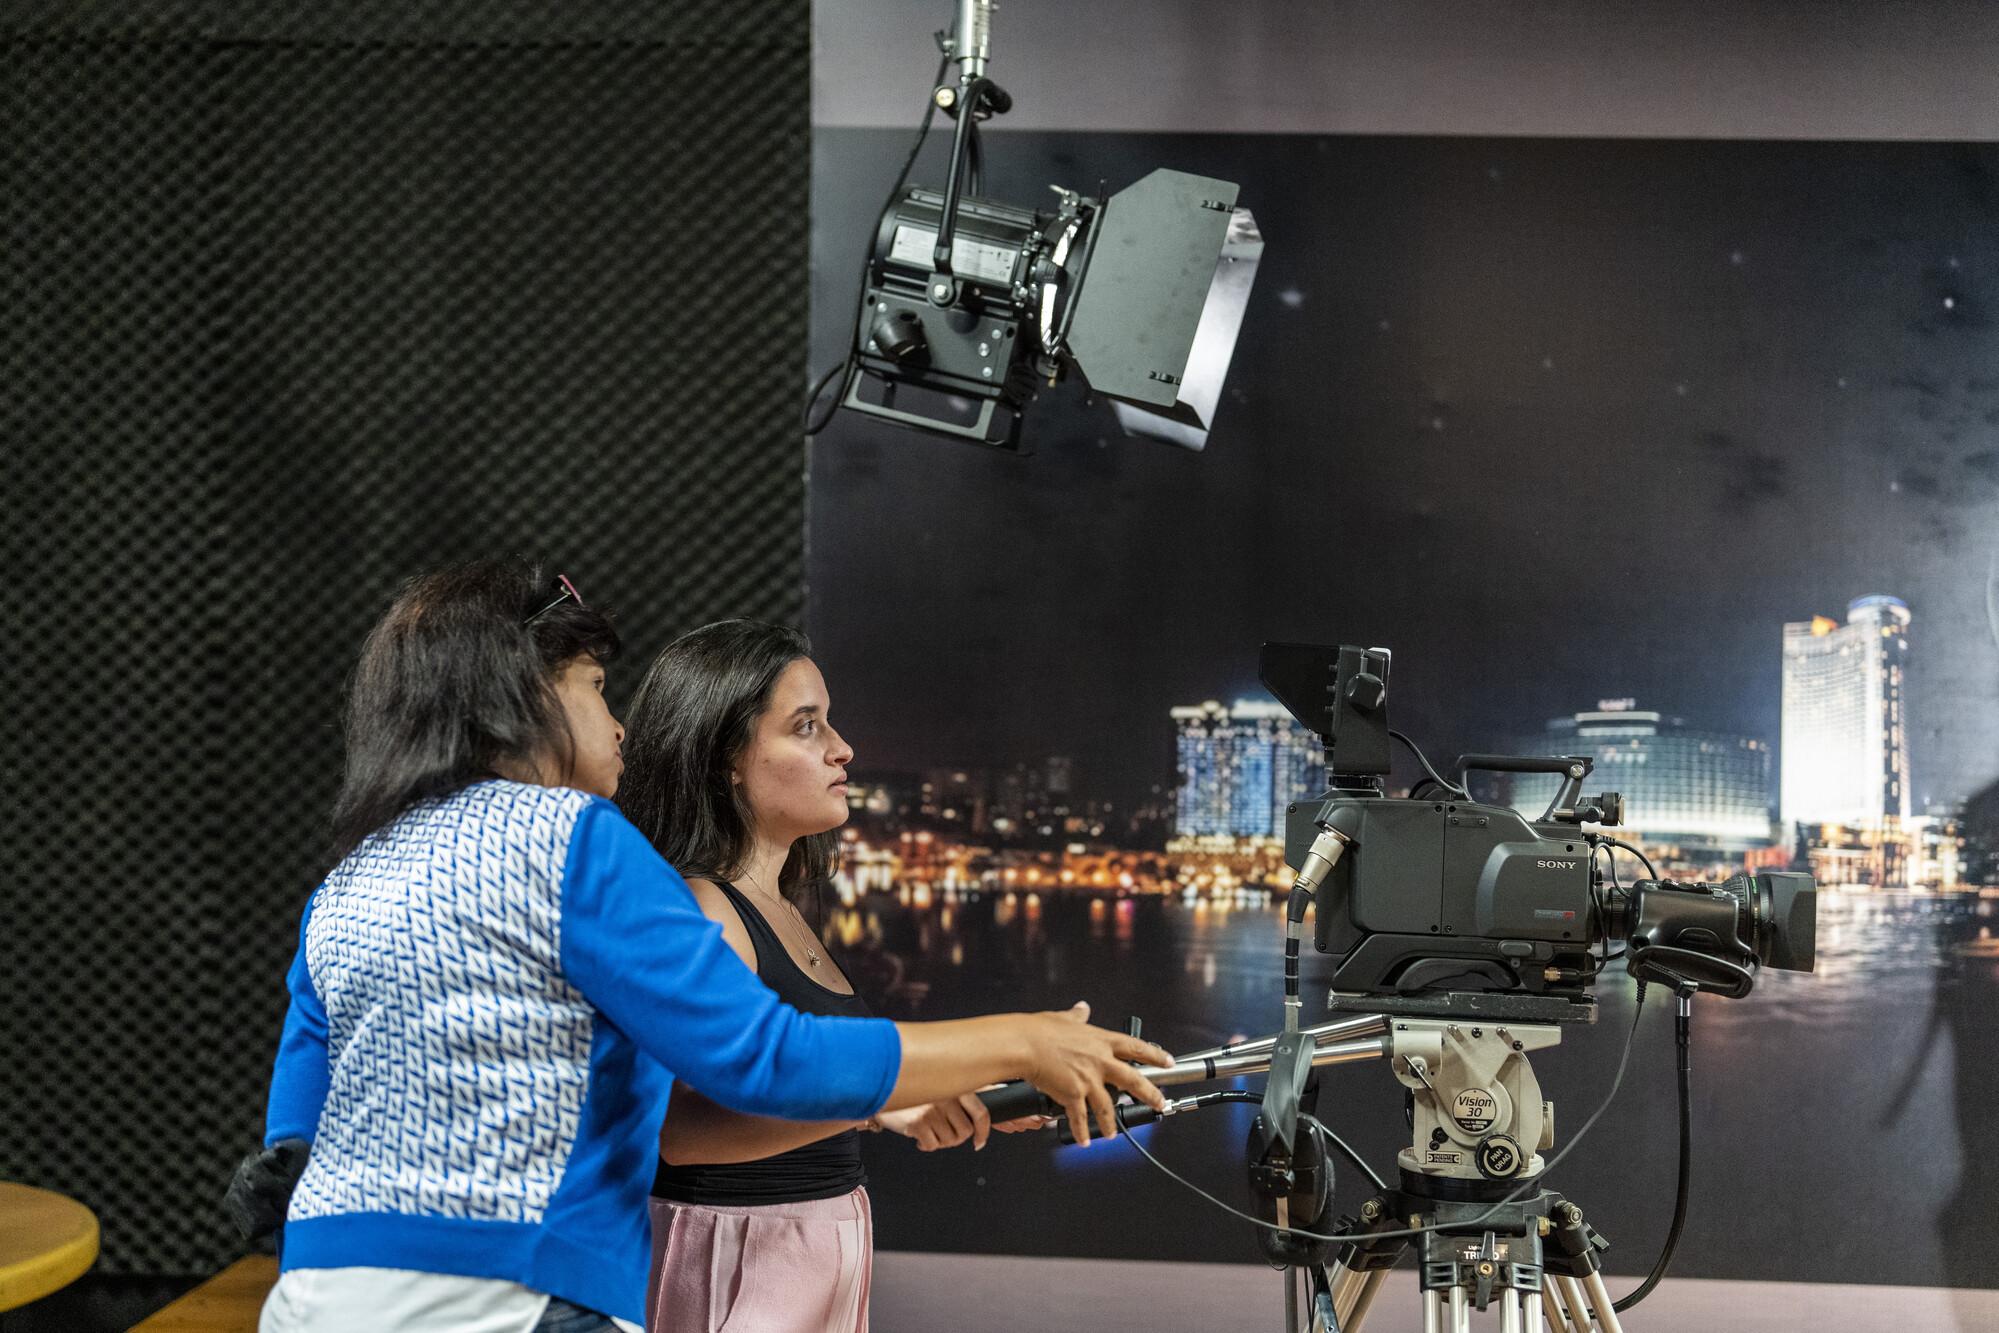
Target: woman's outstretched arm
<point>699,1132</point>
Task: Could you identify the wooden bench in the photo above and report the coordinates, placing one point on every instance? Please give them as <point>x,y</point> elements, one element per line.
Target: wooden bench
<point>229,1302</point>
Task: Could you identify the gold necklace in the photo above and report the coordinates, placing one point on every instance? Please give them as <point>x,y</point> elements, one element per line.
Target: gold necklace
<point>785,911</point>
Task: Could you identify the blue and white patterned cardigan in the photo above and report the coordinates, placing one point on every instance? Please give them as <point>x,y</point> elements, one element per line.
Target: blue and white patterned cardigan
<point>491,1000</point>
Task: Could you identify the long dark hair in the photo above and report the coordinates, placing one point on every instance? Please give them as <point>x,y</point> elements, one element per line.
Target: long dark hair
<point>452,683</point>
<point>693,716</point>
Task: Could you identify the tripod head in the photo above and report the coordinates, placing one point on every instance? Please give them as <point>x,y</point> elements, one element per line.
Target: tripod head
<point>1478,1115</point>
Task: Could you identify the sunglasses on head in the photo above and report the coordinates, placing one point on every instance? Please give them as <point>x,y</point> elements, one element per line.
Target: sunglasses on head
<point>567,593</point>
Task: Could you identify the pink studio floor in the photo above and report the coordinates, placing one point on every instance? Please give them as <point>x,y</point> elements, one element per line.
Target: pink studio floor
<point>968,1293</point>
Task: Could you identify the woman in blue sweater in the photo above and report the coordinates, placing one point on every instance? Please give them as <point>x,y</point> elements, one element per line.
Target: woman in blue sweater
<point>498,983</point>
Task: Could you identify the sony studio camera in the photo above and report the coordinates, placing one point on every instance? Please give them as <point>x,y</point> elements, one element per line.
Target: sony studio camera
<point>1438,894</point>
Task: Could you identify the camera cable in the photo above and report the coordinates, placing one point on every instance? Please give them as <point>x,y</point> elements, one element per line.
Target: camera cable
<point>1682,1025</point>
<point>1451,787</point>
<point>1132,1116</point>
<point>1609,841</point>
<point>1359,1162</point>
<point>1597,844</point>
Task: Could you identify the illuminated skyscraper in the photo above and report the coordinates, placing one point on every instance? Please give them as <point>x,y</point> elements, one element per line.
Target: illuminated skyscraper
<point>1845,739</point>
<point>1681,787</point>
<point>1240,767</point>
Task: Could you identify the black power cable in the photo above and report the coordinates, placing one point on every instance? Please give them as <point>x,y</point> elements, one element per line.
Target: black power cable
<point>844,368</point>
<point>1681,1030</point>
<point>1681,1026</point>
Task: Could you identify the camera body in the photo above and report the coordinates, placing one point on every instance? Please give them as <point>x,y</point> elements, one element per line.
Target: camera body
<point>1438,893</point>
<point>1451,895</point>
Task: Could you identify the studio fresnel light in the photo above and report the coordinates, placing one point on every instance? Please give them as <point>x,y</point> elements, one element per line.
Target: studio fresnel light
<point>970,305</point>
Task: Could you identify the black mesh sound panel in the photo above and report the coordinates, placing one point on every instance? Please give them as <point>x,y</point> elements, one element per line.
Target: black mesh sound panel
<point>295,302</point>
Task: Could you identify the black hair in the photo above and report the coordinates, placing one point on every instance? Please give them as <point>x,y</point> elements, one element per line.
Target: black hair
<point>453,682</point>
<point>692,718</point>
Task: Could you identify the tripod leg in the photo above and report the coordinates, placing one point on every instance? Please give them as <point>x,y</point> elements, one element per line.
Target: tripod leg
<point>1433,1312</point>
<point>1555,1308</point>
<point>1509,1311</point>
<point>1599,1295</point>
<point>1572,1296</point>
<point>1356,1314</point>
<point>1460,1310</point>
<point>1530,1312</point>
<point>1346,1284</point>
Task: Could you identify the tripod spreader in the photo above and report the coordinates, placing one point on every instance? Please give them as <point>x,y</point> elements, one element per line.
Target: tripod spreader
<point>1536,1258</point>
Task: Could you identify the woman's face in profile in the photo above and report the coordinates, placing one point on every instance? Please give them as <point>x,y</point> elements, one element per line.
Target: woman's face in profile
<point>794,771</point>
<point>597,759</point>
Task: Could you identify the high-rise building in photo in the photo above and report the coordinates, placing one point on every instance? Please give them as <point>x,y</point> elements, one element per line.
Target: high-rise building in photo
<point>1682,786</point>
<point>1240,767</point>
<point>1845,743</point>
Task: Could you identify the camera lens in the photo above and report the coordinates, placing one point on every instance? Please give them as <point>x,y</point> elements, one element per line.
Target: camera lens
<point>1787,938</point>
<point>1778,917</point>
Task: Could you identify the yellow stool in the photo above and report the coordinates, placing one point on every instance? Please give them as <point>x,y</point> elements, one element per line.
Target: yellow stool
<point>47,1241</point>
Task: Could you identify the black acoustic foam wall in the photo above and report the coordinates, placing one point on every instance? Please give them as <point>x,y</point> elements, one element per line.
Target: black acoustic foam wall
<point>295,301</point>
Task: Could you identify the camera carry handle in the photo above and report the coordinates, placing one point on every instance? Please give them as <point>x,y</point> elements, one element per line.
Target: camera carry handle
<point>1572,768</point>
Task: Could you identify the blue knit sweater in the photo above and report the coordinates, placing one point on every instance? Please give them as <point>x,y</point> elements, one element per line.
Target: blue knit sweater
<point>491,1000</point>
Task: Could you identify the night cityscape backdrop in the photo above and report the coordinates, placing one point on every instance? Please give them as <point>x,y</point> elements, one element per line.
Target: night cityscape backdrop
<point>1698,801</point>
<point>1557,421</point>
<point>1682,455</point>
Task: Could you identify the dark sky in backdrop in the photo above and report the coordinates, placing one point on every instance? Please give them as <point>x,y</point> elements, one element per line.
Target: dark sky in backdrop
<point>1556,420</point>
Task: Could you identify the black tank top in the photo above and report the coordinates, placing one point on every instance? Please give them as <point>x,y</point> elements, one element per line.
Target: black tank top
<point>823,1170</point>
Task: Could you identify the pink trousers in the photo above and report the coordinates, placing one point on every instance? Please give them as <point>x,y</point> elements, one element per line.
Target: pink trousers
<point>771,1268</point>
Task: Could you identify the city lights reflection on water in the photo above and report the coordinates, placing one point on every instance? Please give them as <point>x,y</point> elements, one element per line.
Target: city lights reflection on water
<point>1874,948</point>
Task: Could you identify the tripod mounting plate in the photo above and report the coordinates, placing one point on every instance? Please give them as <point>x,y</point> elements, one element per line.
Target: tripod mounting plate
<point>1469,1006</point>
